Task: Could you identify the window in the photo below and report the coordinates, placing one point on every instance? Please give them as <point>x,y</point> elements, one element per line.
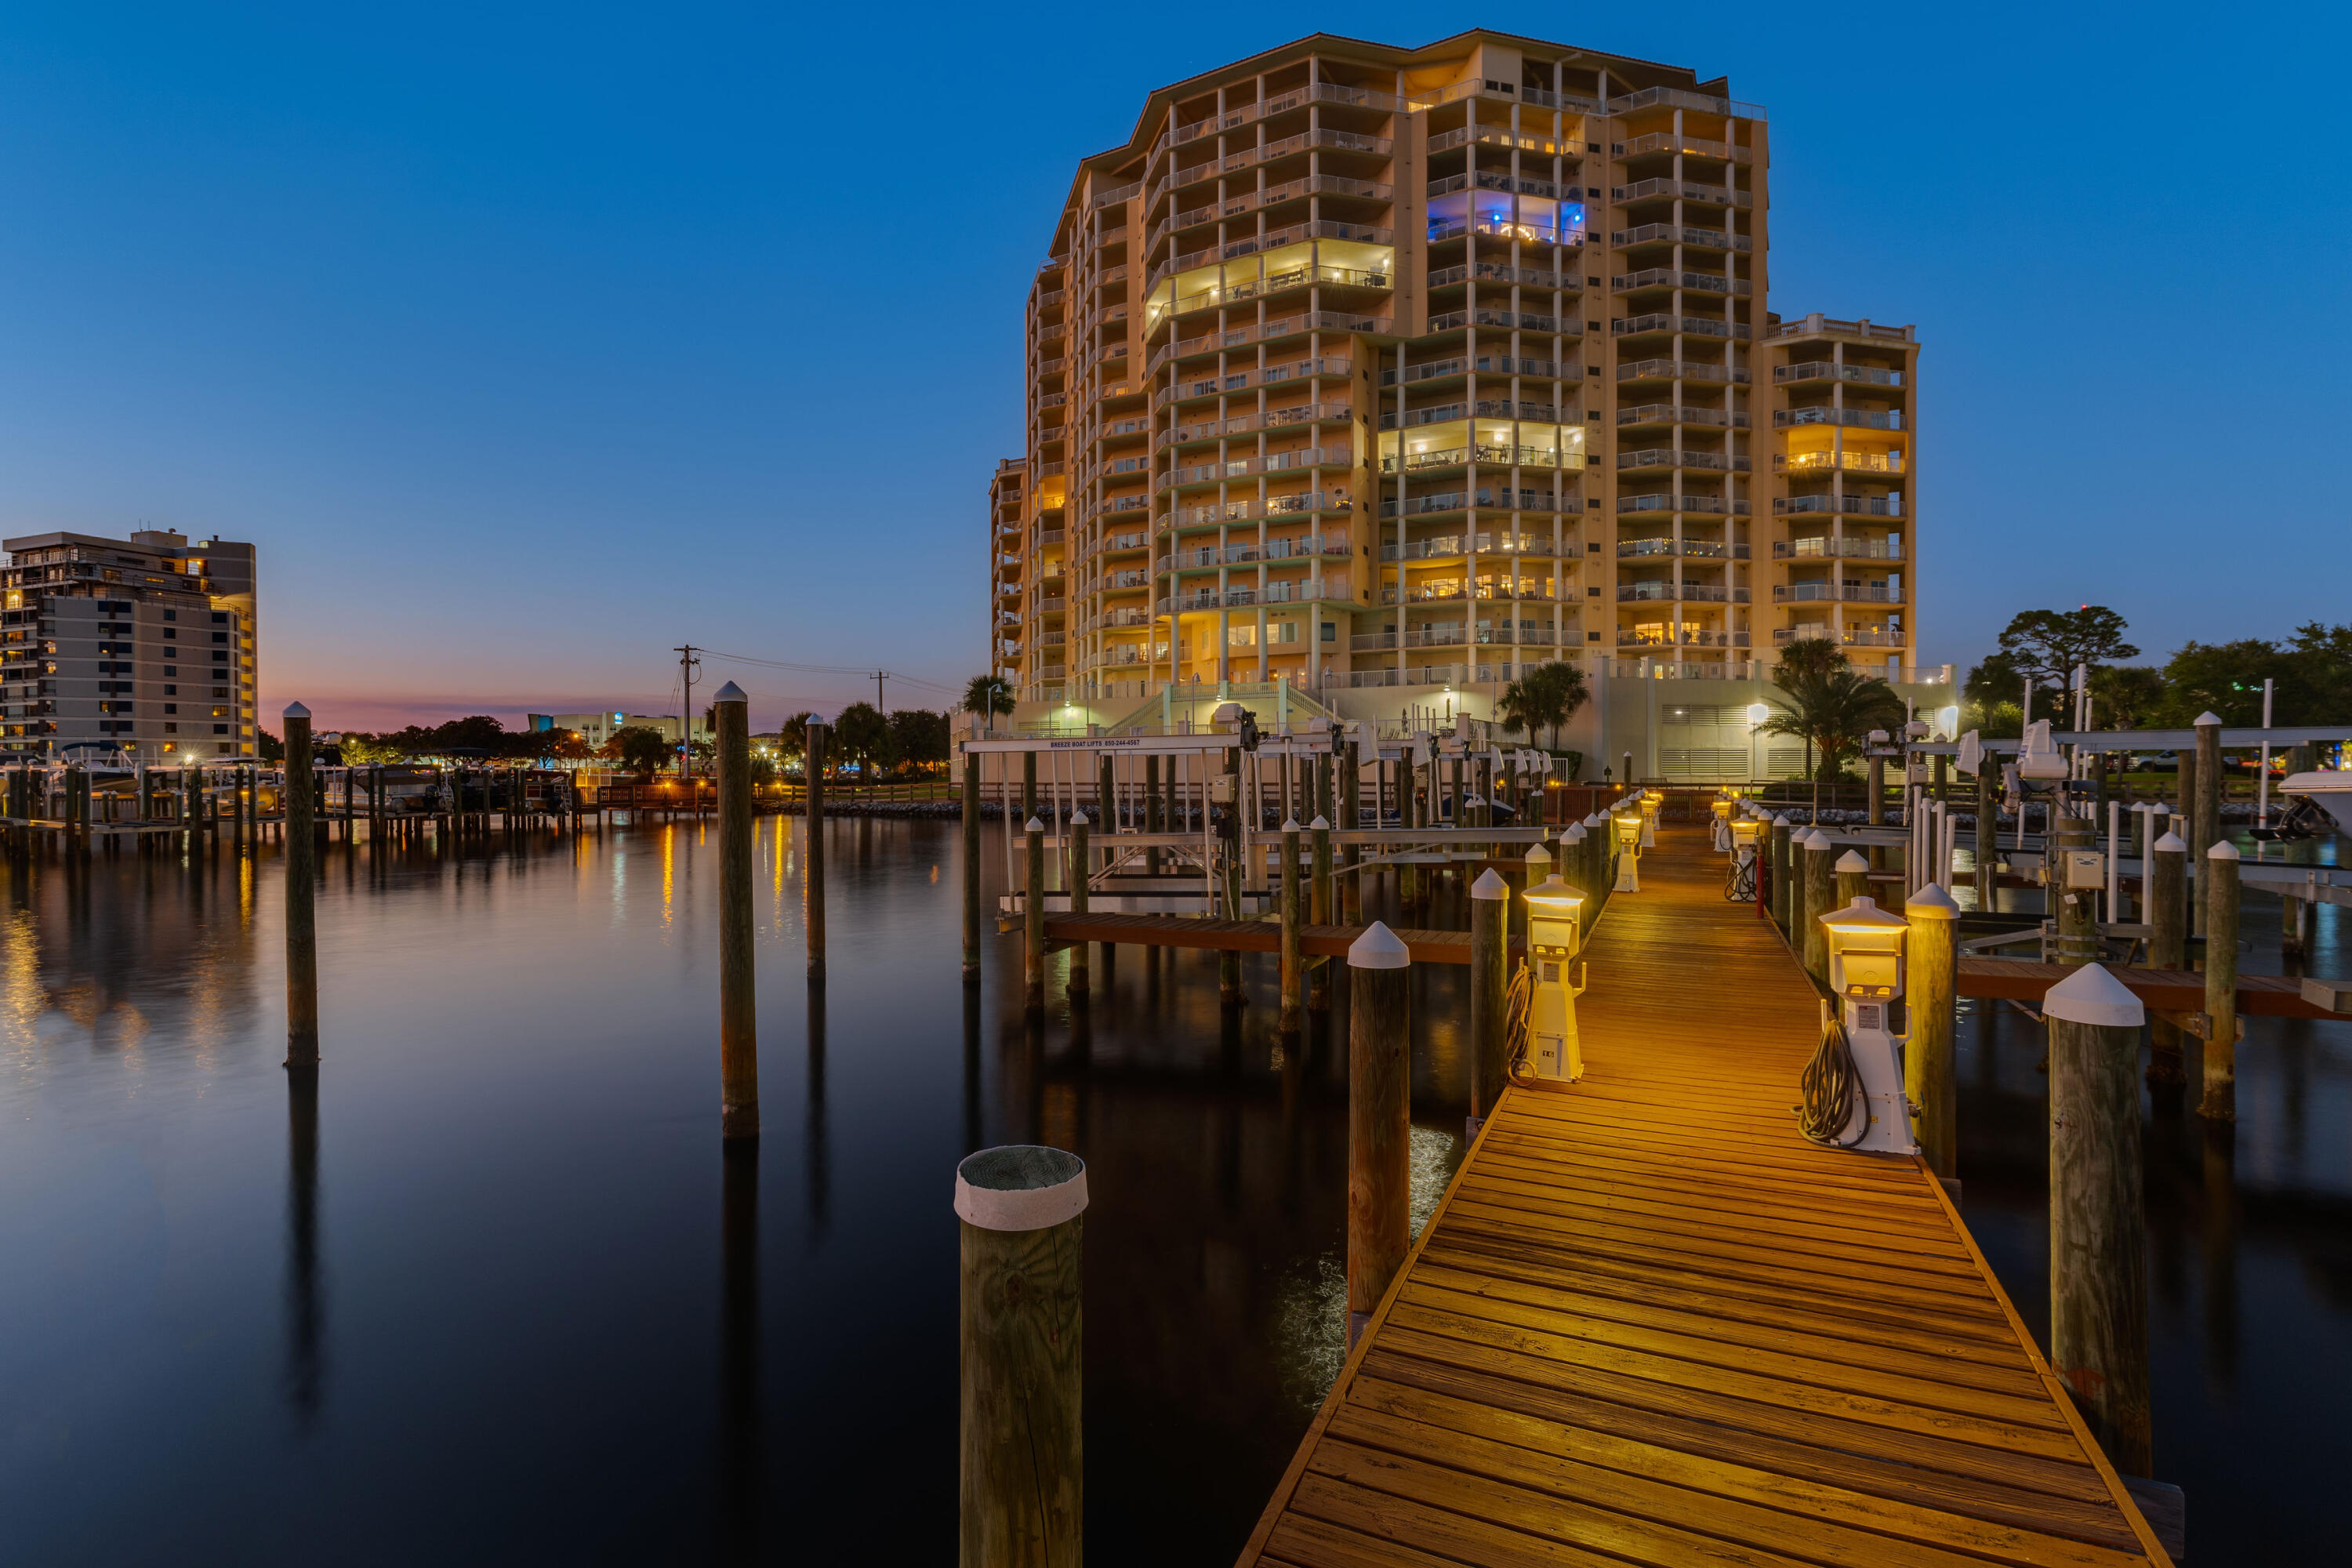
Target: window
<point>220,617</point>
<point>170,691</point>
<point>170,614</point>
<point>174,669</point>
<point>1330,631</point>
<point>220,728</point>
<point>220,637</point>
<point>170,633</point>
<point>171,729</point>
<point>170,707</point>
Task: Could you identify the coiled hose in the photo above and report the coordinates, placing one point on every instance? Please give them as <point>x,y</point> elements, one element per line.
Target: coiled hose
<point>1740,887</point>
<point>1833,1089</point>
<point>1518,1002</point>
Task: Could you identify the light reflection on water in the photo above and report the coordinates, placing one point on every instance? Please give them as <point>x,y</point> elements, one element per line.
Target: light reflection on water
<point>496,1265</point>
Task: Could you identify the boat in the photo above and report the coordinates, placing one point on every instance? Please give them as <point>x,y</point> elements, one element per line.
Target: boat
<point>2330,789</point>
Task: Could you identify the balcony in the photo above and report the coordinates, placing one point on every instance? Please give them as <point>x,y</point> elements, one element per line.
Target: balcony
<point>1667,277</point>
<point>1503,137</point>
<point>1710,506</point>
<point>1289,190</point>
<point>1848,506</point>
<point>1494,179</point>
<point>1503,228</point>
<point>1851,418</point>
<point>1275,240</point>
<point>1650,190</point>
<point>1481,409</point>
<point>1505,320</point>
<point>1839,462</point>
<point>1822,547</point>
<point>1483,365</point>
<point>1682,370</point>
<point>1248,424</point>
<point>1679,98</point>
<point>1671,234</point>
<point>1241,380</point>
<point>1500,498</point>
<point>1839,593</point>
<point>1664,458</point>
<point>1496,272</point>
<point>1236,337</point>
<point>1466,544</point>
<point>1823,370</point>
<point>1688,147</point>
<point>1457,456</point>
<point>1672,414</point>
<point>1246,511</point>
<point>1696,326</point>
<point>1249,157</point>
<point>1247,115</point>
<point>1278,462</point>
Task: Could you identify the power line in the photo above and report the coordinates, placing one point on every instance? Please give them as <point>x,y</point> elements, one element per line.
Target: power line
<point>829,669</point>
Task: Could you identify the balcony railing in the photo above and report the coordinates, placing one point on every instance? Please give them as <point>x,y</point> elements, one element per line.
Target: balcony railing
<point>1500,498</point>
<point>1493,180</point>
<point>1296,234</point>
<point>1853,636</point>
<point>1247,115</point>
<point>1681,370</point>
<point>1817,324</point>
<point>1248,157</point>
<point>1851,418</point>
<point>1824,547</point>
<point>1483,408</point>
<point>1845,462</point>
<point>1496,272</point>
<point>1844,593</point>
<point>1697,326</point>
<point>1689,190</point>
<point>1689,146</point>
<point>1678,98</point>
<point>1671,234</point>
<point>1503,229</point>
<point>1501,136</point>
<point>1242,201</point>
<point>1823,370</point>
<point>1670,414</point>
<point>1849,506</point>
<point>1248,424</point>
<point>1238,468</point>
<point>1455,457</point>
<point>1664,458</point>
<point>1238,380</point>
<point>1484,364</point>
<point>1466,544</point>
<point>1667,277</point>
<point>1245,511</point>
<point>1713,506</point>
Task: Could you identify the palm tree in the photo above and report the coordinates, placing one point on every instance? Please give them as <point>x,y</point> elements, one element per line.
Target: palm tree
<point>1831,712</point>
<point>1799,659</point>
<point>1543,697</point>
<point>792,739</point>
<point>990,696</point>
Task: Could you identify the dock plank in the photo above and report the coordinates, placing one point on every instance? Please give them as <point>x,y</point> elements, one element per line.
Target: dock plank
<point>1650,1323</point>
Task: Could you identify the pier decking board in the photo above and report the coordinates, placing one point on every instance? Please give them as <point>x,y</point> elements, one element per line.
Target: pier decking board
<point>1649,1323</point>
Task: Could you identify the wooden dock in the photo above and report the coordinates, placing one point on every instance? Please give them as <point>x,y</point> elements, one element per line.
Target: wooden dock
<point>1249,936</point>
<point>1650,1324</point>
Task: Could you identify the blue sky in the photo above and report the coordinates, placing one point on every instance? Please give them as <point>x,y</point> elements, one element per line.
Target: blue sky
<point>530,341</point>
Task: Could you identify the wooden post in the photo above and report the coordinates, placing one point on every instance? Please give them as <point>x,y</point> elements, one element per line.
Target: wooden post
<point>1821,887</point>
<point>2168,948</point>
<point>1781,892</point>
<point>1323,891</point>
<point>1931,995</point>
<point>1379,1120</point>
<point>738,1033</point>
<point>302,892</point>
<point>2078,910</point>
<point>1151,822</point>
<point>1029,786</point>
<point>2098,1247</point>
<point>1490,904</point>
<point>972,866</point>
<point>1021,1482</point>
<point>1988,846</point>
<point>1033,920</point>
<point>2204,805</point>
<point>1852,879</point>
<point>1877,806</point>
<point>813,848</point>
<point>1229,962</point>
<point>1076,869</point>
<point>2220,1099</point>
<point>1293,1016</point>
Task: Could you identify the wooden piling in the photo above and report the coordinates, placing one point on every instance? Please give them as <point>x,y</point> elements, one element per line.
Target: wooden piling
<point>1151,811</point>
<point>1229,965</point>
<point>738,1033</point>
<point>1821,887</point>
<point>1988,847</point>
<point>2202,799</point>
<point>1852,879</point>
<point>1077,871</point>
<point>1021,1481</point>
<point>1293,1016</point>
<point>301,907</point>
<point>2221,1098</point>
<point>1380,1126</point>
<point>1033,920</point>
<point>2168,948</point>
<point>1029,785</point>
<point>1931,994</point>
<point>1490,904</point>
<point>813,847</point>
<point>2098,1257</point>
<point>1781,892</point>
<point>2077,909</point>
<point>972,866</point>
<point>1322,892</point>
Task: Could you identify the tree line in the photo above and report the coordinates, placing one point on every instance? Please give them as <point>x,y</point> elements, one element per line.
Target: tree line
<point>874,742</point>
<point>2310,671</point>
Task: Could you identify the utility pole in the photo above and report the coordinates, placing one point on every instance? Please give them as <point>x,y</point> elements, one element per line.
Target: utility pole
<point>687,665</point>
<point>879,702</point>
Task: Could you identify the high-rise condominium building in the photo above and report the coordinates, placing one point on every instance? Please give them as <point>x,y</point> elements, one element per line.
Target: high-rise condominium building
<point>146,645</point>
<point>1365,368</point>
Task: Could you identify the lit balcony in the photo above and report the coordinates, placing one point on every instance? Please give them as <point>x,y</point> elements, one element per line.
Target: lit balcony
<point>1823,547</point>
<point>1849,462</point>
<point>1526,232</point>
<point>1848,506</point>
<point>1457,456</point>
<point>1688,147</point>
<point>1851,418</point>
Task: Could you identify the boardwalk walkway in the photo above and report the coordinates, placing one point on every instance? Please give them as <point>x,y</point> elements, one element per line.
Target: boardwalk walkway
<point>1650,1324</point>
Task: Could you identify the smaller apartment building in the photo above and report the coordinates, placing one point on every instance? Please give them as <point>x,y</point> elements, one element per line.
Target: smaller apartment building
<point>146,645</point>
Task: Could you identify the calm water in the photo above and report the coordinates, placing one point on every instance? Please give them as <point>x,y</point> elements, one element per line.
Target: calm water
<point>494,1293</point>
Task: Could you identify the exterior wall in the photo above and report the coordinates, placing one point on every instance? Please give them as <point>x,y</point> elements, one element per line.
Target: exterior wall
<point>596,729</point>
<point>147,644</point>
<point>1374,369</point>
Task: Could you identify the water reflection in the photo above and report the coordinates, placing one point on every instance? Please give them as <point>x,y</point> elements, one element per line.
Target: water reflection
<point>815,1135</point>
<point>740,1395</point>
<point>306,1296</point>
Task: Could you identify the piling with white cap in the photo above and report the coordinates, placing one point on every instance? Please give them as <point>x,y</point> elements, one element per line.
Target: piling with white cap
<point>1021,1485</point>
<point>1320,889</point>
<point>1853,877</point>
<point>738,1031</point>
<point>1820,896</point>
<point>1380,1111</point>
<point>2165,904</point>
<point>301,885</point>
<point>1490,903</point>
<point>2098,1259</point>
<point>1033,920</point>
<point>1075,874</point>
<point>1293,1015</point>
<point>1931,993</point>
